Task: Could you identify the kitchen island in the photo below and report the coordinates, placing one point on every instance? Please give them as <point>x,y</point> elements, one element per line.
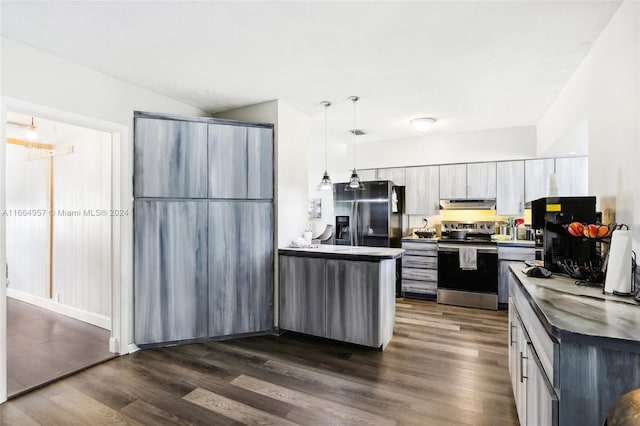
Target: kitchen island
<point>339,292</point>
<point>572,350</point>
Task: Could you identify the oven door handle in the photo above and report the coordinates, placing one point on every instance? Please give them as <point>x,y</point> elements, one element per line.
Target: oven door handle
<point>456,248</point>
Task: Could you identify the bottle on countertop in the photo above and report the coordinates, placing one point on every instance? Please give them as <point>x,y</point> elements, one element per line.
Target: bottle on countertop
<point>307,234</point>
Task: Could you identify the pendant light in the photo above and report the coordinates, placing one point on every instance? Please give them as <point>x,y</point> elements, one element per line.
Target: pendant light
<point>354,181</point>
<point>31,136</point>
<point>325,183</point>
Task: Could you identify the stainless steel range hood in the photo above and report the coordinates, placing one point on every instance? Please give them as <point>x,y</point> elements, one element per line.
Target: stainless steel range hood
<point>468,204</point>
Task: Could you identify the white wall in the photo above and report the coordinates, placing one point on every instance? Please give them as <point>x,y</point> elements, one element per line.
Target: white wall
<point>64,91</point>
<point>82,244</point>
<point>27,236</point>
<point>293,196</point>
<point>487,145</point>
<point>605,89</point>
<point>3,257</point>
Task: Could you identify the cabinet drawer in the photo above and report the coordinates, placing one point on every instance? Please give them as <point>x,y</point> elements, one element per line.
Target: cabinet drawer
<point>419,274</point>
<point>425,253</point>
<point>423,287</point>
<point>540,339</point>
<point>428,249</point>
<point>516,253</point>
<point>419,262</point>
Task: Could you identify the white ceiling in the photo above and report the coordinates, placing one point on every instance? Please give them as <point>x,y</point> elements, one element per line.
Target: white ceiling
<point>472,65</point>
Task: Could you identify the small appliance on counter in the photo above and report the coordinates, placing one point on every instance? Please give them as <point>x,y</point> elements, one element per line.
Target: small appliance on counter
<point>551,215</point>
<point>620,264</point>
<point>425,231</point>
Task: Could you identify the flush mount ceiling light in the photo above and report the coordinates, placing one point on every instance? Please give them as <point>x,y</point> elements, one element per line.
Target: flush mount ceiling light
<point>325,183</point>
<point>423,124</point>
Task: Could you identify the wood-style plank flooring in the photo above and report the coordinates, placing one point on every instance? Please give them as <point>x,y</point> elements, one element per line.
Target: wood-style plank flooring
<point>444,366</point>
<point>43,346</point>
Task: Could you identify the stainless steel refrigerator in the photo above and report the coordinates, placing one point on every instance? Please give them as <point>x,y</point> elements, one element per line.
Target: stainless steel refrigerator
<point>369,216</point>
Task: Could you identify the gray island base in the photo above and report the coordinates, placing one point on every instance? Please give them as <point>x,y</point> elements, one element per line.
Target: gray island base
<point>338,292</point>
<point>572,350</point>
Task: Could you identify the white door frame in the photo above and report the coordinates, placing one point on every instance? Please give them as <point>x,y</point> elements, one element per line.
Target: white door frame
<point>121,227</point>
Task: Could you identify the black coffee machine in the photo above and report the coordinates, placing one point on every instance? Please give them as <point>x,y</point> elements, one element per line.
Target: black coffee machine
<point>550,214</point>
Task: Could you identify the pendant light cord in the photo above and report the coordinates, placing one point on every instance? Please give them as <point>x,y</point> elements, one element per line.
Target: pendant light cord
<point>326,107</point>
<point>354,99</point>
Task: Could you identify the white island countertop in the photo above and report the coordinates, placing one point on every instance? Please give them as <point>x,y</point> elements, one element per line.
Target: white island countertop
<point>371,254</point>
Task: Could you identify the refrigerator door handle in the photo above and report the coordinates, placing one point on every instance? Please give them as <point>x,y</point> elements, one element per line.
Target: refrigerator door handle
<point>352,224</point>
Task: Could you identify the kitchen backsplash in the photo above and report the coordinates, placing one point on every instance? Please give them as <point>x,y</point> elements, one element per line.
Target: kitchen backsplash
<point>416,222</point>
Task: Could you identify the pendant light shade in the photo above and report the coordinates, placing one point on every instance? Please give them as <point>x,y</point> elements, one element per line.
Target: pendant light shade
<point>31,136</point>
<point>325,183</point>
<point>354,181</point>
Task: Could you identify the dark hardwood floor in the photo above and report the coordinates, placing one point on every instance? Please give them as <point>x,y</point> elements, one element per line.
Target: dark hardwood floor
<point>444,366</point>
<point>43,346</point>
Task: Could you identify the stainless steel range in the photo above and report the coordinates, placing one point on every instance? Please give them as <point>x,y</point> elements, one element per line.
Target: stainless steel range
<point>468,265</point>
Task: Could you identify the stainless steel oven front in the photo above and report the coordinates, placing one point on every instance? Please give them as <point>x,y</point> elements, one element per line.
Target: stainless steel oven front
<point>473,287</point>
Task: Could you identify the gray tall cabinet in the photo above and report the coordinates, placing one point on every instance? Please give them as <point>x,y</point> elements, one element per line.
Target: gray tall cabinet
<point>203,228</point>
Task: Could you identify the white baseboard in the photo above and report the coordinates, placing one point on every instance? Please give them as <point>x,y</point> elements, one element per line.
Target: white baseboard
<point>133,348</point>
<point>79,314</point>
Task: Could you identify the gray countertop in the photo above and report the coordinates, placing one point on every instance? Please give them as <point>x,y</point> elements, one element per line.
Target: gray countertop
<point>517,243</point>
<point>509,243</point>
<point>421,240</point>
<point>581,314</point>
<point>371,254</point>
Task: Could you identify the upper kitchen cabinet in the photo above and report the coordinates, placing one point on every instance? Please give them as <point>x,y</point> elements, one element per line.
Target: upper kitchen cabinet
<point>481,180</point>
<point>510,188</point>
<point>536,175</point>
<point>260,163</point>
<point>227,161</point>
<point>573,176</point>
<point>422,190</point>
<point>367,174</point>
<point>240,162</point>
<point>170,158</point>
<point>395,175</point>
<point>453,181</point>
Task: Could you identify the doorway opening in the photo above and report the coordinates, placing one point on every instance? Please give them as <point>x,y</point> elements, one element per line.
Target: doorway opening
<point>59,249</point>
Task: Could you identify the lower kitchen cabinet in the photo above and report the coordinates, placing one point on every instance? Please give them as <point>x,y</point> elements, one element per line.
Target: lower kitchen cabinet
<point>420,269</point>
<point>170,293</point>
<point>202,269</point>
<point>351,299</point>
<point>347,300</point>
<point>533,392</point>
<point>240,264</point>
<point>303,295</point>
<point>540,394</point>
<point>508,254</point>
